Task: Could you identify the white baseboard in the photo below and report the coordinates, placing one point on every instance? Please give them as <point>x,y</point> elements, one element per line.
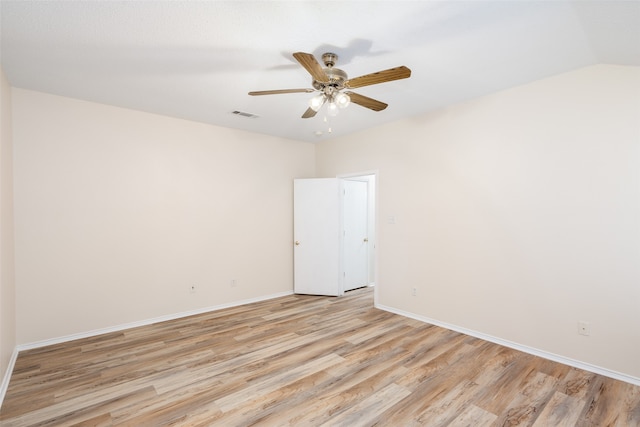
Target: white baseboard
<point>530,350</point>
<point>7,375</point>
<point>146,322</point>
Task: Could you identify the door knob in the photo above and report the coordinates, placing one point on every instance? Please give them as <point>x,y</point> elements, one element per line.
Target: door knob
<point>366,239</point>
<point>297,243</point>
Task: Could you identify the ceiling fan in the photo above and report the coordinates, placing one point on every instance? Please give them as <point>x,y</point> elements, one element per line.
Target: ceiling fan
<point>330,82</point>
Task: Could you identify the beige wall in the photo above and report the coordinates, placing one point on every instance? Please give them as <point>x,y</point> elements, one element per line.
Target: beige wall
<point>517,215</point>
<point>7,283</point>
<point>118,212</point>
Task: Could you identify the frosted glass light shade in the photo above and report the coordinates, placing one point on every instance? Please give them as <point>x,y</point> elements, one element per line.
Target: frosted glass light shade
<point>316,102</point>
<point>332,109</point>
<point>342,100</point>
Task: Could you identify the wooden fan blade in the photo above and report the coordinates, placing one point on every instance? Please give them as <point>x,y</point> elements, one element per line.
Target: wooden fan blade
<point>309,62</point>
<point>309,113</point>
<point>391,74</point>
<point>279,91</point>
<point>366,102</point>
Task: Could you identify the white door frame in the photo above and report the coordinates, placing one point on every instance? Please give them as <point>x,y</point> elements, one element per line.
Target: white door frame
<point>374,244</point>
<point>355,233</point>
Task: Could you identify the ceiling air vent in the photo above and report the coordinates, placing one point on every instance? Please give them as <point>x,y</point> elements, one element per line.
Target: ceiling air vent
<point>243,114</point>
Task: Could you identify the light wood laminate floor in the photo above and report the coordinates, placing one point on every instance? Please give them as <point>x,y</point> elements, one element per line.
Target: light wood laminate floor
<point>305,361</point>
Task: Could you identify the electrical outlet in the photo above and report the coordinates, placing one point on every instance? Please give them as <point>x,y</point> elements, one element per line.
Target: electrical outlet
<point>584,328</point>
<point>414,291</point>
<point>192,289</point>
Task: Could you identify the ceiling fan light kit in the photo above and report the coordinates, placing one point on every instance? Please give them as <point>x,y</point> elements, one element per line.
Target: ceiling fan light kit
<point>316,102</point>
<point>331,82</point>
<point>342,99</point>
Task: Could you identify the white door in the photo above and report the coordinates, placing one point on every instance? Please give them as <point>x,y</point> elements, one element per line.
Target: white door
<point>316,234</point>
<point>355,241</point>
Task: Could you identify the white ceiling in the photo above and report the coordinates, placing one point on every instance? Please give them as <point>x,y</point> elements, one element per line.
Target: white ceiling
<point>198,59</point>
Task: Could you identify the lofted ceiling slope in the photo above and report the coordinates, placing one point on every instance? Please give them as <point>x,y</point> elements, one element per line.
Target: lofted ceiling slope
<point>197,60</point>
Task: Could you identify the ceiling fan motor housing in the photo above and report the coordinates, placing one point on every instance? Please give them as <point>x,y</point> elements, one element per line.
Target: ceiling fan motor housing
<point>336,76</point>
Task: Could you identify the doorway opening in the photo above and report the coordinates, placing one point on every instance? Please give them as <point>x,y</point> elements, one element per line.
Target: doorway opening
<point>358,231</point>
<point>335,234</point>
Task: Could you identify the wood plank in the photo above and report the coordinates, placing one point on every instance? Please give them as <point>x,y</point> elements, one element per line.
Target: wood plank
<point>611,403</point>
<point>447,406</point>
<point>366,410</point>
<point>473,416</point>
<point>529,402</point>
<point>274,382</point>
<point>304,360</point>
<point>561,411</point>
